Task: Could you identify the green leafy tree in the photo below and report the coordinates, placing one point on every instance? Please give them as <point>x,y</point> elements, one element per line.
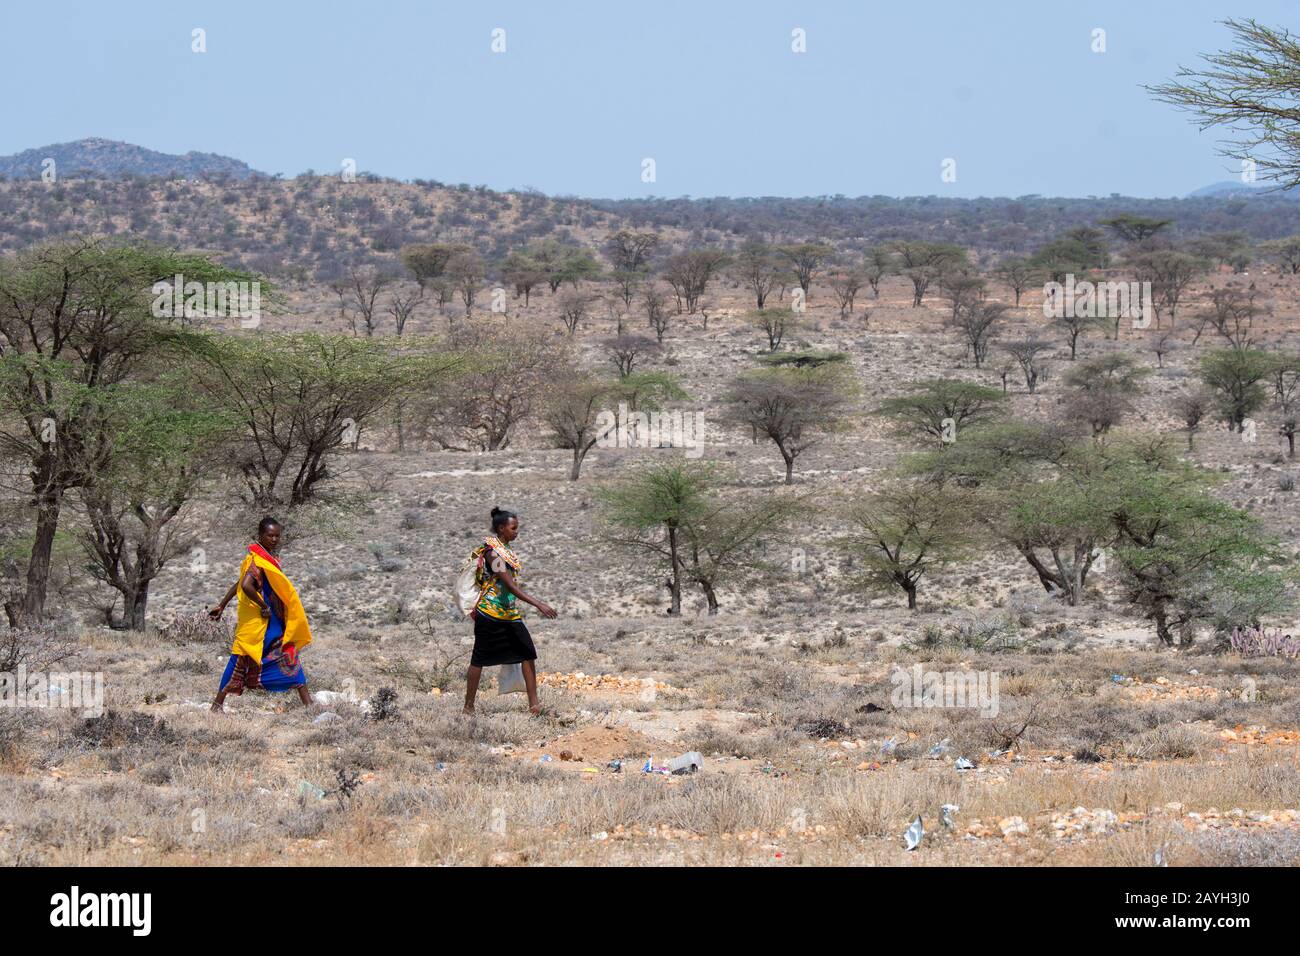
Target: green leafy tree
<point>76,321</point>
<point>905,531</point>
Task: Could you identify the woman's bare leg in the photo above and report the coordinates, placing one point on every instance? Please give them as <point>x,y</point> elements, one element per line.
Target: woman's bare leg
<point>530,682</point>
<point>471,687</point>
<point>304,695</point>
<point>218,702</point>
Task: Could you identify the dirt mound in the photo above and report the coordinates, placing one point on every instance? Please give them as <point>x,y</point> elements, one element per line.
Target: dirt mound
<point>593,746</point>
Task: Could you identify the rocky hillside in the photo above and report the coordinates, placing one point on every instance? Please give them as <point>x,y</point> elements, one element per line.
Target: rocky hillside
<point>95,158</point>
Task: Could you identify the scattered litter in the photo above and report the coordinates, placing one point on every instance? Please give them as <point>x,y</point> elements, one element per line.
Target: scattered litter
<point>545,758</point>
<point>616,766</point>
<point>870,708</point>
<point>914,833</point>
<point>326,717</point>
<point>440,766</point>
<point>946,811</point>
<point>965,763</point>
<point>689,762</point>
<point>939,749</point>
<point>602,835</point>
<point>329,698</point>
<point>308,789</point>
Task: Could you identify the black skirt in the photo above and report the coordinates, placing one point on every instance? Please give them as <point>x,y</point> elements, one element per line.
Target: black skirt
<point>500,642</point>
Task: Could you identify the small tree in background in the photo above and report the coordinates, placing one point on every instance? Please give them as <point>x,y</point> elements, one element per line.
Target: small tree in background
<point>905,531</point>
<point>775,324</point>
<point>572,412</point>
<point>943,408</point>
<point>794,408</point>
<point>648,513</point>
<point>1236,378</point>
<point>1191,409</point>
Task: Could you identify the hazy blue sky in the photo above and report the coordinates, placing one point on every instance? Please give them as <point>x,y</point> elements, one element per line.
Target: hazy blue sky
<point>585,91</point>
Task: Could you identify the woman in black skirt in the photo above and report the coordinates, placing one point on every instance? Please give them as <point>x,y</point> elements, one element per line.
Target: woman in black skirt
<point>500,636</point>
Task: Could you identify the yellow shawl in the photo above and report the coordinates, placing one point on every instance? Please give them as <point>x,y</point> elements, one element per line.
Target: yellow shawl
<point>250,626</point>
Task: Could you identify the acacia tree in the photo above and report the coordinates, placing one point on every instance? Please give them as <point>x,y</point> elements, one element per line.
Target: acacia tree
<point>977,322</point>
<point>76,321</point>
<point>358,297</point>
<point>1191,409</point>
<point>524,273</point>
<point>299,399</point>
<point>466,271</point>
<point>1188,558</point>
<point>1286,252</point>
<point>924,262</point>
<point>630,251</point>
<point>1236,377</point>
<point>1284,373</point>
<point>775,324</point>
<point>489,382</point>
<point>574,306</point>
<point>805,260</point>
<point>625,351</point>
<point>648,514</point>
<point>1134,229</point>
<point>1075,326</point>
<point>1037,489</point>
<point>1017,274</point>
<point>573,414</point>
<point>905,531</point>
<point>792,407</point>
<point>1231,313</point>
<point>164,444</point>
<point>1026,354</point>
<point>755,267</point>
<point>846,285</point>
<point>943,408</point>
<point>876,264</point>
<point>427,262</point>
<point>656,311</point>
<point>1170,272</point>
<point>1251,92</point>
<point>1103,388</point>
<point>689,274</point>
<point>727,538</point>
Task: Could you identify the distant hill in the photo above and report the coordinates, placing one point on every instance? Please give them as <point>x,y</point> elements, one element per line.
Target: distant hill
<point>107,159</point>
<point>1229,187</point>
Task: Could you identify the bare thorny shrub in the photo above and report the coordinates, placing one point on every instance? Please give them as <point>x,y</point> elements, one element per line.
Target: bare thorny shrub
<point>36,648</point>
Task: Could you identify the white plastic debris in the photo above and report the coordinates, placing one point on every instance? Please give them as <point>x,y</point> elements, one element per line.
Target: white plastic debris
<point>946,811</point>
<point>939,749</point>
<point>964,763</point>
<point>326,717</point>
<point>689,762</point>
<point>914,833</point>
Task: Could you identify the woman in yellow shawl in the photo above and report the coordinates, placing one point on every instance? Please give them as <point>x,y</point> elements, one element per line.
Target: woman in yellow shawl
<point>271,627</point>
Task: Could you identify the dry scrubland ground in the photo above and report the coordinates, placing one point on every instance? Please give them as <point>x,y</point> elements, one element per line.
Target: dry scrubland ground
<point>786,693</point>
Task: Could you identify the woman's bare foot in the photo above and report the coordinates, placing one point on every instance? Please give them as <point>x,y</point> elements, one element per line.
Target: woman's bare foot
<point>467,712</point>
<point>535,710</point>
<point>216,708</point>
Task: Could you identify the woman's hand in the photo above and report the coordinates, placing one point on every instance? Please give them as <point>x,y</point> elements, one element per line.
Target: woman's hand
<point>215,613</point>
<point>266,612</point>
<point>546,610</point>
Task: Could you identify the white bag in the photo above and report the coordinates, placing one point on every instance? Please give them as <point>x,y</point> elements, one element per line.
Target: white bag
<point>510,679</point>
<point>465,592</point>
